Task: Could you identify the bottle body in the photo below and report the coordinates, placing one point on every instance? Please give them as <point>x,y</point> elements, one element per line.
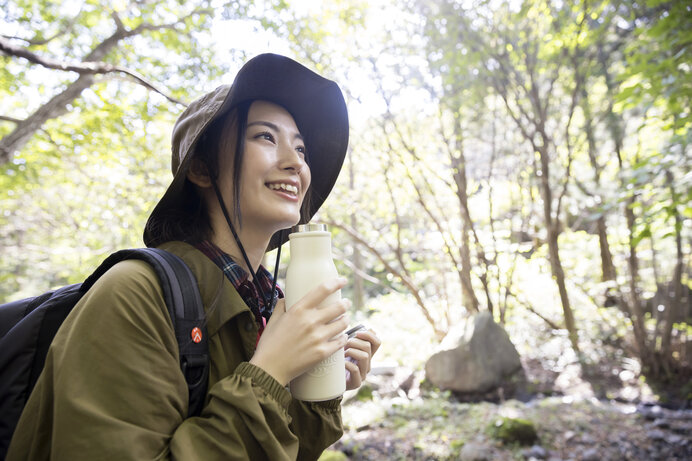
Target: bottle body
<point>311,264</point>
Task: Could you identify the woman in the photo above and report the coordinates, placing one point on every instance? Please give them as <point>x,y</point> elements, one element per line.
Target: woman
<point>271,146</point>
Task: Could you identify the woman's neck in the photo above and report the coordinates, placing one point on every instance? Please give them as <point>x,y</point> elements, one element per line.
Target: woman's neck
<point>254,245</point>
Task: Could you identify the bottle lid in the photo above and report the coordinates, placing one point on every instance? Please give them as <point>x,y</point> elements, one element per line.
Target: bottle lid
<point>310,227</point>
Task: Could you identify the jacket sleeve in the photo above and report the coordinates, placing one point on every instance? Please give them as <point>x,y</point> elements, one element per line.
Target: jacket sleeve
<point>317,425</point>
<point>112,389</point>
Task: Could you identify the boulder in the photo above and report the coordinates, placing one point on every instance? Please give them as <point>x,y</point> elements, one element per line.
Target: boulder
<point>474,357</point>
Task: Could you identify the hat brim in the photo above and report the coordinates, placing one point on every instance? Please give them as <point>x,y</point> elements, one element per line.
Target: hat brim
<point>316,104</point>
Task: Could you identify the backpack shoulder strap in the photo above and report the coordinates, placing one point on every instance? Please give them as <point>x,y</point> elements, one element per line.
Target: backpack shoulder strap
<point>186,310</point>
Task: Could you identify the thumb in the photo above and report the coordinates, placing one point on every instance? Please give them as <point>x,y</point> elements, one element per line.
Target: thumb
<point>279,309</point>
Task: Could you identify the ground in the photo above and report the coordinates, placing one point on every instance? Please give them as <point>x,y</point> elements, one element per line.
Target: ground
<point>394,419</point>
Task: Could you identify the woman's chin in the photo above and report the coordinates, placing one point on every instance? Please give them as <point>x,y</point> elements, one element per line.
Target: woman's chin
<point>286,223</point>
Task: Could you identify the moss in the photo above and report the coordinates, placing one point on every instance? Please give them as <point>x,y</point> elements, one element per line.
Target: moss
<point>513,431</point>
<point>456,446</point>
<point>364,393</point>
<point>332,455</point>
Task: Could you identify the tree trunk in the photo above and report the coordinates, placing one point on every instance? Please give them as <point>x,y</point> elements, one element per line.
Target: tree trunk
<point>634,307</point>
<point>607,266</point>
<point>673,305</point>
<point>552,227</point>
<point>56,107</point>
<point>459,168</point>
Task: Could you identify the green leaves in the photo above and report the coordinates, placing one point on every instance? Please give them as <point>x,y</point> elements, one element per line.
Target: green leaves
<point>86,180</point>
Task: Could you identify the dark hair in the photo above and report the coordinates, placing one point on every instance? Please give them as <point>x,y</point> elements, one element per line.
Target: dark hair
<point>188,220</point>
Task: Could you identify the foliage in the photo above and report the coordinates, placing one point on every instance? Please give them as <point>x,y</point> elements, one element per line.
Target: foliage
<point>86,181</point>
<point>364,392</point>
<point>454,106</point>
<point>513,430</point>
<point>658,67</point>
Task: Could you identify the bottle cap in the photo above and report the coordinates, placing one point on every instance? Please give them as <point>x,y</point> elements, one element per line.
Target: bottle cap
<point>310,227</point>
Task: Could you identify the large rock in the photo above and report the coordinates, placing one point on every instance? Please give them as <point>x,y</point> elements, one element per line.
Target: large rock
<point>475,357</point>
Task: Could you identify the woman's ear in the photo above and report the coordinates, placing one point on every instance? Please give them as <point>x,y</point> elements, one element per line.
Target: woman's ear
<point>198,174</point>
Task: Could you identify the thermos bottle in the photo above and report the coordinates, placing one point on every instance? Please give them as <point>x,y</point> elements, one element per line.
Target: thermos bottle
<point>311,264</point>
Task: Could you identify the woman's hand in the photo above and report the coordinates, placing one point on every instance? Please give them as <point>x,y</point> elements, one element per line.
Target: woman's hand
<point>359,352</point>
<point>296,340</point>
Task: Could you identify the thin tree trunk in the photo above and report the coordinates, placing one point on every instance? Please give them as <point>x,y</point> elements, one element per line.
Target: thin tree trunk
<point>634,307</point>
<point>673,305</point>
<point>459,168</point>
<point>552,227</point>
<point>607,266</point>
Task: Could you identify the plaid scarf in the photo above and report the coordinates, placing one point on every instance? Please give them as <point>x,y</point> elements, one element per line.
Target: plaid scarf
<point>241,281</point>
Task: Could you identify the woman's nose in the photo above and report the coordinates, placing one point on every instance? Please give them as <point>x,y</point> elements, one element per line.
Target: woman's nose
<point>291,159</point>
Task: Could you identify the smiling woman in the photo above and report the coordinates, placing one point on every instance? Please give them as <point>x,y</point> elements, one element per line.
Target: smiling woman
<point>258,146</point>
<point>265,176</point>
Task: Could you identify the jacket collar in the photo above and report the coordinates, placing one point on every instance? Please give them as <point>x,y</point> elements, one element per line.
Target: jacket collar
<point>214,287</point>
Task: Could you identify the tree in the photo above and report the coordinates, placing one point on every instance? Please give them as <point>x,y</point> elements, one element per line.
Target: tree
<point>524,71</point>
<point>657,78</point>
<point>95,41</point>
<point>88,93</point>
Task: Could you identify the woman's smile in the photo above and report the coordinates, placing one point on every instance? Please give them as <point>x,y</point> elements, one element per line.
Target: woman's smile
<point>286,189</point>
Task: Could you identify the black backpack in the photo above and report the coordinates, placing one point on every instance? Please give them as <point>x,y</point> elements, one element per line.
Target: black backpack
<point>27,328</point>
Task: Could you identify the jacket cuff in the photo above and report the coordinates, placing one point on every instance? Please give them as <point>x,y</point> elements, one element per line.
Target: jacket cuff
<point>329,406</point>
<point>265,381</point>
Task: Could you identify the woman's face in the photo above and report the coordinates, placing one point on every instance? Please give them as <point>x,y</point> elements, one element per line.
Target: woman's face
<point>274,175</point>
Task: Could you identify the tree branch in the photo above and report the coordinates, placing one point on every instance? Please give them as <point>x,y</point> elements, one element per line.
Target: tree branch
<point>530,308</point>
<point>144,26</point>
<point>407,281</point>
<point>5,118</point>
<point>85,68</point>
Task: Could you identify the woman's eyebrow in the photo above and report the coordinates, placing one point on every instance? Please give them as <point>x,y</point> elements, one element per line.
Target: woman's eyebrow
<point>273,127</point>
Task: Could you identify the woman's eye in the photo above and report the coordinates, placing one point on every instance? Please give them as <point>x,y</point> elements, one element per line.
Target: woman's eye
<point>301,150</point>
<point>265,135</point>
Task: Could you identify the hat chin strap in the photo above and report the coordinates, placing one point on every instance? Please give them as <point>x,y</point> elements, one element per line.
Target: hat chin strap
<point>269,303</point>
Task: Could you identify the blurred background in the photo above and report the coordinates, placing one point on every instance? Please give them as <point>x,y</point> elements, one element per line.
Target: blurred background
<point>529,159</point>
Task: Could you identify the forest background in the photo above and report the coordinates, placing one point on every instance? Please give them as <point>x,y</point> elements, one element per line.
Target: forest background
<point>529,158</point>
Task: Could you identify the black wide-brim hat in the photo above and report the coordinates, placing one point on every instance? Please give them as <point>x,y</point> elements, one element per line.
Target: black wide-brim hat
<point>316,104</point>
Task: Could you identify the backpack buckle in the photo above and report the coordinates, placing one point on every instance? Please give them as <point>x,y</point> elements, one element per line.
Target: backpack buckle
<point>194,368</point>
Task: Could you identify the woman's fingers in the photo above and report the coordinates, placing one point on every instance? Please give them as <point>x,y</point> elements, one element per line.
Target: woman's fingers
<point>331,312</point>
<point>361,357</point>
<point>317,296</point>
<point>370,337</point>
<point>359,352</point>
<point>354,379</point>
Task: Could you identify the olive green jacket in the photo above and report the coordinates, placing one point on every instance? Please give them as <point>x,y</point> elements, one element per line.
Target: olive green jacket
<point>112,388</point>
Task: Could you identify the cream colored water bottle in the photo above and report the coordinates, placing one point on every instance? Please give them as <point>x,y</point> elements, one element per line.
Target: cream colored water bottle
<point>311,264</point>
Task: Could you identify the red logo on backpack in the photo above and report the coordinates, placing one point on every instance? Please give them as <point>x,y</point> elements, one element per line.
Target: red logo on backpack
<point>196,335</point>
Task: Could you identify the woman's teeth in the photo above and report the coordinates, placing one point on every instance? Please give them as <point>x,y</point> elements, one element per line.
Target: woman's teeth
<point>286,187</point>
